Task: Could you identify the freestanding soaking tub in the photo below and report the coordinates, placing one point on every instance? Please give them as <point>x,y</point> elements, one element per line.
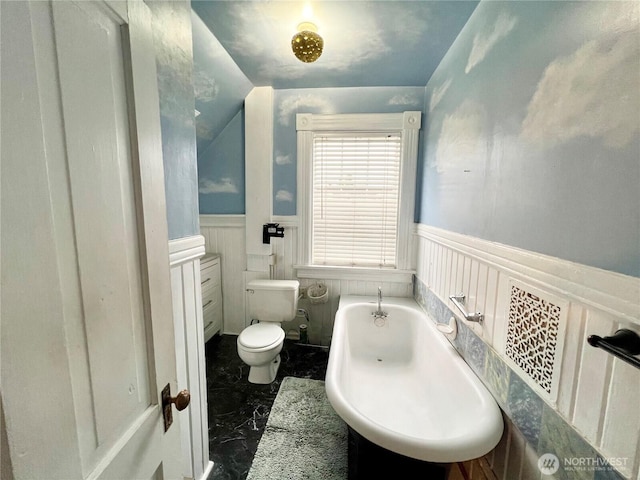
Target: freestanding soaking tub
<point>400,384</point>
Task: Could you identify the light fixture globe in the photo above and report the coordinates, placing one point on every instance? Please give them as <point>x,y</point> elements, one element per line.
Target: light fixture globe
<point>307,44</point>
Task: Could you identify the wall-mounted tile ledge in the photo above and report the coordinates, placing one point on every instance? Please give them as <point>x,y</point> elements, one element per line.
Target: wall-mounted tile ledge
<point>544,430</point>
<point>606,291</point>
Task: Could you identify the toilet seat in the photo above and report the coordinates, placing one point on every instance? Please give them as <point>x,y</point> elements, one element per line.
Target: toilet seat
<point>261,336</point>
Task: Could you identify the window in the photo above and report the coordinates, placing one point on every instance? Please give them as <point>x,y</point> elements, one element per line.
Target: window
<point>355,193</point>
<point>356,184</point>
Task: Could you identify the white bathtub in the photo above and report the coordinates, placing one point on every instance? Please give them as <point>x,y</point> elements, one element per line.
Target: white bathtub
<point>404,387</point>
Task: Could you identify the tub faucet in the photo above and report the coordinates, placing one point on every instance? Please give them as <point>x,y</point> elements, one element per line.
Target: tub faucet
<point>379,313</point>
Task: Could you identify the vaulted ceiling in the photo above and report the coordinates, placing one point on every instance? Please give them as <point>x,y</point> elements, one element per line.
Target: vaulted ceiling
<point>367,43</point>
<point>240,44</point>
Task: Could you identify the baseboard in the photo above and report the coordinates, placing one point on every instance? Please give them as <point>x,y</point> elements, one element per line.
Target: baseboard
<point>207,471</point>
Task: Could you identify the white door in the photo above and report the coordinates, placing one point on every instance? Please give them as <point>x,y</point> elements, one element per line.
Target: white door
<point>87,339</point>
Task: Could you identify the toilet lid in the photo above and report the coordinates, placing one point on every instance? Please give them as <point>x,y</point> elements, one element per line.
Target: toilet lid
<point>261,335</point>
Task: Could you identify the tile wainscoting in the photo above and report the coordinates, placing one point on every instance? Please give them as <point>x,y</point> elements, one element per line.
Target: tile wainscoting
<point>593,416</point>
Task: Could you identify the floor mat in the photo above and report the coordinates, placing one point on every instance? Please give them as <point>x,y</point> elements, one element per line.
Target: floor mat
<point>304,438</point>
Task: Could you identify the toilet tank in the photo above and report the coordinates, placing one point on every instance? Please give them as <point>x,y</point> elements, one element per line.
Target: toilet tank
<point>273,300</point>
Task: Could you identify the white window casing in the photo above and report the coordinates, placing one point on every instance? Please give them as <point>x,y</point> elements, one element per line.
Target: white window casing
<point>389,132</point>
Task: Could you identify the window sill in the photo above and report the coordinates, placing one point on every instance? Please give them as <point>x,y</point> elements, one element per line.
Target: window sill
<point>354,273</point>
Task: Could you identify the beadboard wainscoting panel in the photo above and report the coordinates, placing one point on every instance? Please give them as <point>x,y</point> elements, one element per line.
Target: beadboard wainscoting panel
<point>593,388</point>
<point>248,276</point>
<point>225,234</point>
<point>621,429</point>
<point>500,454</point>
<point>481,297</point>
<point>501,314</point>
<point>530,469</point>
<point>184,260</point>
<point>286,248</point>
<point>514,458</point>
<point>491,298</point>
<point>593,379</point>
<point>459,273</point>
<point>323,315</point>
<point>518,445</point>
<point>573,345</point>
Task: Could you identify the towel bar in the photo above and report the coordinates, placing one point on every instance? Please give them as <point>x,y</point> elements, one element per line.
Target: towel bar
<point>624,344</point>
<point>458,301</point>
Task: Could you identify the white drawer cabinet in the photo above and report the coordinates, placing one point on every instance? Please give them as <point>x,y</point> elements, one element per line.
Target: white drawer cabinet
<point>211,284</point>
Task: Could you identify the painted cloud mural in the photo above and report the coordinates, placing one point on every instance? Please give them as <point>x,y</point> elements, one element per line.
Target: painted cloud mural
<point>406,100</point>
<point>367,42</point>
<point>484,42</point>
<point>284,196</point>
<point>533,136</point>
<point>438,93</point>
<point>594,91</point>
<point>205,87</point>
<point>462,144</point>
<point>296,103</point>
<point>224,185</point>
<point>283,159</point>
<point>375,33</point>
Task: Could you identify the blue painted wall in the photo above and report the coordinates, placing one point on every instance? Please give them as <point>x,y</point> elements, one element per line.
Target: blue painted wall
<point>287,103</point>
<point>174,63</point>
<point>220,89</point>
<point>221,171</point>
<point>532,133</point>
<point>219,84</point>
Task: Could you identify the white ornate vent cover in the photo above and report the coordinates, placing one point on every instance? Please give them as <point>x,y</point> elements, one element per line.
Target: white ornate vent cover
<point>535,336</point>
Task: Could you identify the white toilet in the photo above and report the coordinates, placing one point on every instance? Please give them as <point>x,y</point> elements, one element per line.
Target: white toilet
<point>271,302</point>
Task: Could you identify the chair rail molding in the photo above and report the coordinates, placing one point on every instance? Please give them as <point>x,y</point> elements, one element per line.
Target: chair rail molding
<point>186,249</point>
<point>222,220</point>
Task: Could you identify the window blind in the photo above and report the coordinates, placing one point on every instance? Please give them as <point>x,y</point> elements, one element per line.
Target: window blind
<point>356,179</point>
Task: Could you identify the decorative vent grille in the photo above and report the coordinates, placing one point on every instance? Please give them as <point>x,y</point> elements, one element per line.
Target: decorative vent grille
<point>535,335</point>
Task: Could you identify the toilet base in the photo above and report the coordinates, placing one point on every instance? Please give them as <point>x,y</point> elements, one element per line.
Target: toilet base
<point>265,374</point>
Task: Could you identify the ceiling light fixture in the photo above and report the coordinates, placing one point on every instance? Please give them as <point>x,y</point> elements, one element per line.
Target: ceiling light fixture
<point>307,45</point>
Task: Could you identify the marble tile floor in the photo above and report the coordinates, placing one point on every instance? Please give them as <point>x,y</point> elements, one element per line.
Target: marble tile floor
<point>238,410</point>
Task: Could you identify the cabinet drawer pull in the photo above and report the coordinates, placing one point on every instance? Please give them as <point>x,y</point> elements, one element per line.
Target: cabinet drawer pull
<point>208,324</point>
<point>210,301</point>
<point>205,281</point>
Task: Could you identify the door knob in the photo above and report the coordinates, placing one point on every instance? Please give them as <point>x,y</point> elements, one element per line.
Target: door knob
<point>181,401</point>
